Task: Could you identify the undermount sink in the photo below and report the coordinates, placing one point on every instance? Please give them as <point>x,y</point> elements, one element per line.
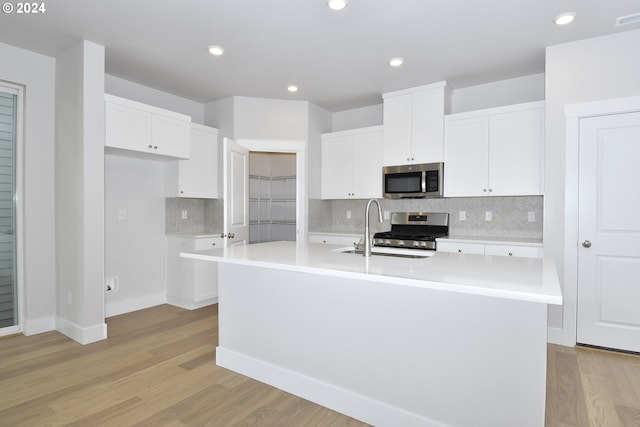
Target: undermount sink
<point>392,252</point>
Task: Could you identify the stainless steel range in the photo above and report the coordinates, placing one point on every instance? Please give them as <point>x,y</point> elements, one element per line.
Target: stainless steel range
<point>416,230</point>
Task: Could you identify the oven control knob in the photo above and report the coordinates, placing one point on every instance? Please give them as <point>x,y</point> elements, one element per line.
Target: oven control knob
<point>387,242</point>
<point>423,244</point>
<point>400,242</point>
<point>417,244</point>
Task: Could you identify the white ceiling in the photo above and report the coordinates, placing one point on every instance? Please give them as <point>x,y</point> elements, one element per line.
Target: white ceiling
<point>338,59</point>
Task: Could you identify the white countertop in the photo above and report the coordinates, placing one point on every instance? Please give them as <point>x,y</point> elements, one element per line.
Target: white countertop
<point>525,279</point>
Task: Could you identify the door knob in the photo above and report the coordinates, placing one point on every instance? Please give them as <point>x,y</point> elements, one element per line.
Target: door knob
<point>586,244</point>
<point>231,235</point>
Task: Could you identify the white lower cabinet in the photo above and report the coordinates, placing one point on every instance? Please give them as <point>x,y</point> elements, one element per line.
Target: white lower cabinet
<point>481,248</point>
<point>191,283</point>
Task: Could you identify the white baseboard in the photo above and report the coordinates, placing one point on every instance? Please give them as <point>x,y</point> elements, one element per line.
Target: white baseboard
<point>39,326</point>
<point>81,334</point>
<point>134,304</point>
<point>190,305</point>
<point>344,401</point>
<point>560,336</point>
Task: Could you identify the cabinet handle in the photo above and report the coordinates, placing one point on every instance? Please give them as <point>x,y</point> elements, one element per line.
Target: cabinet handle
<point>181,192</point>
<point>459,251</point>
<point>150,146</point>
<point>155,147</point>
<point>510,253</point>
<point>490,190</point>
<point>213,244</point>
<point>484,190</point>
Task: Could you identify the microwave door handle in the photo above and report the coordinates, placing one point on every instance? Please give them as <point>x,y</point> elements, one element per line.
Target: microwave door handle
<point>424,182</point>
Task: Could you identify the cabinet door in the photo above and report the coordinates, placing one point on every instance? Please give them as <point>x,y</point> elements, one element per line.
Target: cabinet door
<point>463,248</point>
<point>427,126</point>
<point>397,111</point>
<point>516,251</point>
<point>127,128</point>
<point>515,153</point>
<point>337,165</point>
<point>367,166</point>
<point>170,136</point>
<point>198,176</point>
<point>466,157</point>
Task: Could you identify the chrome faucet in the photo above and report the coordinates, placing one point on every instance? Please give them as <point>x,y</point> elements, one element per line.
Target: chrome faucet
<point>367,237</point>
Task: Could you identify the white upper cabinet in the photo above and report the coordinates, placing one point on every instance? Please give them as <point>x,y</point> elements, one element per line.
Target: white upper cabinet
<point>138,127</point>
<point>414,125</point>
<point>352,164</point>
<point>197,177</point>
<point>495,152</point>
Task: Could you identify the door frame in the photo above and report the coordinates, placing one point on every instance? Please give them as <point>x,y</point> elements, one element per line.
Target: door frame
<point>19,207</point>
<point>298,147</point>
<point>573,114</point>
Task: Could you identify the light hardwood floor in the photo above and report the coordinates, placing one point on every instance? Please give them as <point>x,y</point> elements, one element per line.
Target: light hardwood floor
<point>157,368</point>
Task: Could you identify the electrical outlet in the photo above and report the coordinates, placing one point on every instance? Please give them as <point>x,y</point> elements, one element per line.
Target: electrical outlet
<point>348,214</point>
<point>184,214</point>
<point>110,284</point>
<point>122,214</point>
<point>462,216</point>
<point>69,298</point>
<point>531,216</point>
<point>488,216</point>
<point>386,215</point>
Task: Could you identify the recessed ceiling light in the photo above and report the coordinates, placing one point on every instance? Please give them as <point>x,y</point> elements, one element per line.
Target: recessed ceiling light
<point>565,18</point>
<point>396,62</point>
<point>292,88</point>
<point>337,4</point>
<point>216,50</point>
<point>629,19</point>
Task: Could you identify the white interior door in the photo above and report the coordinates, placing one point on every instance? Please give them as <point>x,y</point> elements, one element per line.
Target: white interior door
<point>609,232</point>
<point>236,193</point>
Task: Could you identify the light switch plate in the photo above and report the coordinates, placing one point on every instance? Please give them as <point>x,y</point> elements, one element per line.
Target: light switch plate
<point>462,216</point>
<point>184,214</point>
<point>348,214</point>
<point>488,216</point>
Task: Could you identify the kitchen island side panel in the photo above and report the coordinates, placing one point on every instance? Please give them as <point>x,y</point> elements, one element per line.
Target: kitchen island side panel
<point>383,353</point>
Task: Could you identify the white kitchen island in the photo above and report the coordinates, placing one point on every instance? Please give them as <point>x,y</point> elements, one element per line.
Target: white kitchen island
<point>453,339</point>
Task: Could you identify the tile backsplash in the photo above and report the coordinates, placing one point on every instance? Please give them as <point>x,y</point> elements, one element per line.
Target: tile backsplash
<point>203,215</point>
<point>510,215</point>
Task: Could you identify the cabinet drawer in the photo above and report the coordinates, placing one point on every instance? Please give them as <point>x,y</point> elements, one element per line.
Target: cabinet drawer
<point>334,240</point>
<point>463,248</point>
<point>208,243</point>
<point>516,251</point>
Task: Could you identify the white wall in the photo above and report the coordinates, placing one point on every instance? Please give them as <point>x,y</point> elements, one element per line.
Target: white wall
<point>135,245</point>
<point>270,119</point>
<point>79,193</point>
<point>587,70</point>
<point>37,74</point>
<point>495,94</point>
<point>358,117</point>
<point>147,95</point>
<point>220,115</point>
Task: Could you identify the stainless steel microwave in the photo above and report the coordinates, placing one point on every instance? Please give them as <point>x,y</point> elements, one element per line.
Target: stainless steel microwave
<point>413,181</point>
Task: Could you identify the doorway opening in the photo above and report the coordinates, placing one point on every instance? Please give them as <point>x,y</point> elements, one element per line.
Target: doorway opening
<point>272,197</point>
<point>10,195</point>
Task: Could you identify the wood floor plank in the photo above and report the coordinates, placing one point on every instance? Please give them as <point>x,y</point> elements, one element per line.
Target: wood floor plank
<point>158,368</point>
